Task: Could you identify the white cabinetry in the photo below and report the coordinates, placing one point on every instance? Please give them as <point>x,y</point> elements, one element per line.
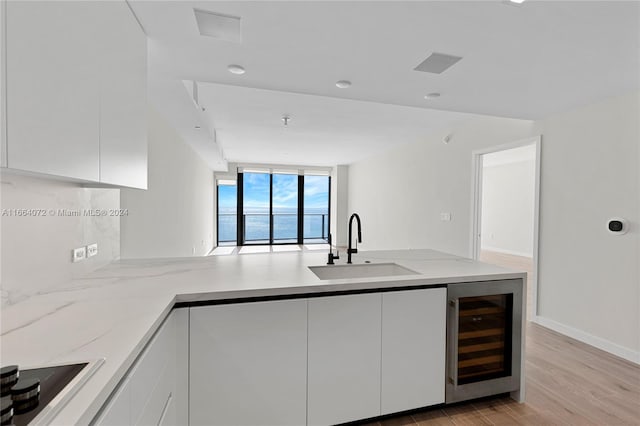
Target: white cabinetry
<point>248,364</point>
<point>316,361</point>
<point>123,99</point>
<point>52,88</point>
<point>413,349</point>
<point>155,391</point>
<point>118,409</point>
<point>344,358</point>
<point>75,93</point>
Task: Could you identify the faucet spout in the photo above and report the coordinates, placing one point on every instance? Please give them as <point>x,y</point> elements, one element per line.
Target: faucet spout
<point>351,250</point>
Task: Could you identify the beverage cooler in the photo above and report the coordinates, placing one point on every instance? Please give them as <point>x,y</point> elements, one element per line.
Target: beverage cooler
<point>484,336</point>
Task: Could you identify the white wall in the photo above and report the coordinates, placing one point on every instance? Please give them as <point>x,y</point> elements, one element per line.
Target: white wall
<point>400,194</point>
<point>508,195</point>
<point>589,280</point>
<point>36,249</point>
<point>175,216</point>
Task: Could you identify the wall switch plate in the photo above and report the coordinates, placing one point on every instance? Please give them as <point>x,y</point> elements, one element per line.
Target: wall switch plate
<point>78,254</point>
<point>92,250</point>
<point>445,217</point>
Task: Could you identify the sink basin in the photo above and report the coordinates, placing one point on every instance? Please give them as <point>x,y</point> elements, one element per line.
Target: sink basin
<point>364,270</point>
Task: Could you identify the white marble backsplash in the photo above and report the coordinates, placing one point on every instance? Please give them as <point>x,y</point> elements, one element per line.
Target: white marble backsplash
<point>42,220</point>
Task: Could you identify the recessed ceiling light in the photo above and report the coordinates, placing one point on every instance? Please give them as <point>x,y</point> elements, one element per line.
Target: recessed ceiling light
<point>517,1</point>
<point>433,95</point>
<point>343,84</point>
<point>236,69</point>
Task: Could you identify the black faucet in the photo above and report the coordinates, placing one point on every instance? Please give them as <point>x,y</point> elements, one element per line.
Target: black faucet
<point>331,257</point>
<point>354,250</point>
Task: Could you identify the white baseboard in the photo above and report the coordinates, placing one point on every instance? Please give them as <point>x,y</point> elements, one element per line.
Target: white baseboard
<point>589,339</point>
<point>506,251</point>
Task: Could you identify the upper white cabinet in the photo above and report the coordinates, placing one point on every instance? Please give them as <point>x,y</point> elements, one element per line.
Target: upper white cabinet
<point>123,99</point>
<point>344,358</point>
<point>53,89</point>
<point>413,349</point>
<point>248,364</point>
<point>75,85</point>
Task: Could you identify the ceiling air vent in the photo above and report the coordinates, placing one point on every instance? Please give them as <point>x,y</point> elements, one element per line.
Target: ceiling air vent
<point>436,63</point>
<point>216,25</point>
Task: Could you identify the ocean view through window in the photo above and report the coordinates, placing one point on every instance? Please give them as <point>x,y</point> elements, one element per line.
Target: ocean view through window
<point>277,208</point>
<point>227,214</point>
<point>316,208</point>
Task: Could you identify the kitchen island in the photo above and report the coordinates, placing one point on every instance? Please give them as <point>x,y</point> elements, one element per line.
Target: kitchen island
<point>116,311</point>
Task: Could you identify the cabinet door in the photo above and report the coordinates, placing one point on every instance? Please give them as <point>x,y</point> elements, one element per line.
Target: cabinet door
<point>118,410</point>
<point>248,364</point>
<point>413,349</point>
<point>180,398</point>
<point>344,358</point>
<point>123,97</point>
<point>149,377</point>
<point>155,390</point>
<point>52,88</point>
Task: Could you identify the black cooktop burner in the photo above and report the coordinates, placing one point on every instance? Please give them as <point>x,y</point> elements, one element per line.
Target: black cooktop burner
<point>52,381</point>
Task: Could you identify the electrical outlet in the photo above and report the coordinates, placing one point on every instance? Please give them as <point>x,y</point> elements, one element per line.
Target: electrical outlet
<point>92,250</point>
<point>78,254</point>
<point>445,217</point>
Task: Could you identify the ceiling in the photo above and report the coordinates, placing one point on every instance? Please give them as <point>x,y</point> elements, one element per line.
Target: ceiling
<point>321,129</point>
<point>527,62</point>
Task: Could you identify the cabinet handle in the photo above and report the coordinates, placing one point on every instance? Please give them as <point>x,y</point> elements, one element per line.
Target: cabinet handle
<point>453,341</point>
<point>165,408</point>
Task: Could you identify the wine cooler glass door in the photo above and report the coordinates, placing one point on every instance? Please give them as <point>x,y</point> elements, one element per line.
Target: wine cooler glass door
<point>484,339</point>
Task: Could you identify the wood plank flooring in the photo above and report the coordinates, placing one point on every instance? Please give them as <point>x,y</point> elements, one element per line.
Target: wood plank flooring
<point>567,383</point>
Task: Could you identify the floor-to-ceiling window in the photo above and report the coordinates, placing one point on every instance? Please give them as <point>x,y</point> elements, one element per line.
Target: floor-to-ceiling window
<point>285,208</point>
<point>274,207</point>
<point>316,208</point>
<point>256,207</point>
<point>227,203</point>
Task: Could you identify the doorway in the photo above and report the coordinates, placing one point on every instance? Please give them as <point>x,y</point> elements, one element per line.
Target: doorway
<point>506,206</point>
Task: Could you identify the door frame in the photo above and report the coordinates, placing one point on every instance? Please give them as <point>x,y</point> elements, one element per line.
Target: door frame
<point>476,203</point>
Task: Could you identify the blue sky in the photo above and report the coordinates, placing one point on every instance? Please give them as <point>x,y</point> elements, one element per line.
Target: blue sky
<point>285,195</point>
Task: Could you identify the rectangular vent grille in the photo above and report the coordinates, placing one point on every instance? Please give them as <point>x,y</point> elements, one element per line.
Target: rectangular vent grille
<point>222,27</point>
<point>437,63</point>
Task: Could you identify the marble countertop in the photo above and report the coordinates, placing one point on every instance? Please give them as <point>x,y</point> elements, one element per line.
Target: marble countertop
<point>113,312</point>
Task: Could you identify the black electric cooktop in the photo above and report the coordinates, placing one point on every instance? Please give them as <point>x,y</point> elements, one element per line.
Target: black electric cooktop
<point>52,381</point>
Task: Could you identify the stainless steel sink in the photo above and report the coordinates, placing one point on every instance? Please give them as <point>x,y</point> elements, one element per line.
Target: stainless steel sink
<point>363,270</point>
